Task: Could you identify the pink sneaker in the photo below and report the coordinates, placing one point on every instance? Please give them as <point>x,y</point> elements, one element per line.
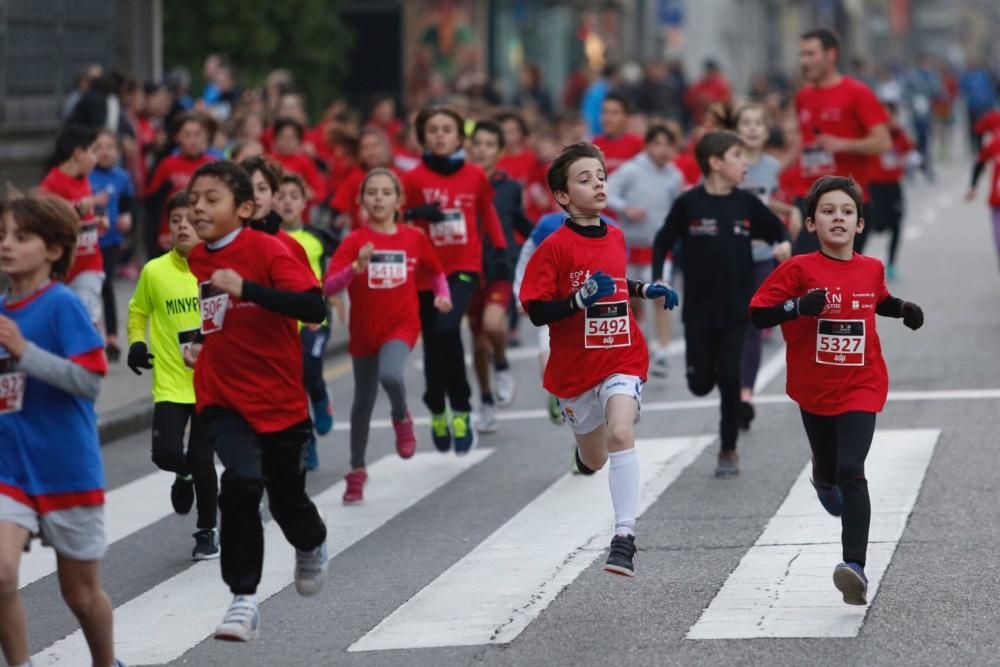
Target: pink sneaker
<point>406,439</point>
<point>355,492</point>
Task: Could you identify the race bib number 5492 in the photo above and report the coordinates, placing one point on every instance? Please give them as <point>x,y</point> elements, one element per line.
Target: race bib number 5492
<point>840,342</point>
<point>607,325</point>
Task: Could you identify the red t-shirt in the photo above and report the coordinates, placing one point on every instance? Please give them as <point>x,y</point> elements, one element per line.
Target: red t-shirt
<point>302,165</point>
<point>520,167</point>
<point>991,152</point>
<point>688,166</point>
<point>384,302</point>
<point>835,362</point>
<point>618,150</point>
<point>253,365</point>
<point>347,198</point>
<point>466,198</point>
<point>988,122</point>
<point>172,175</point>
<point>847,109</point>
<point>590,346</point>
<point>88,250</point>
<point>890,165</point>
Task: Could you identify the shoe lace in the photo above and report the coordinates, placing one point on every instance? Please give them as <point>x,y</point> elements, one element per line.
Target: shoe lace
<point>622,546</point>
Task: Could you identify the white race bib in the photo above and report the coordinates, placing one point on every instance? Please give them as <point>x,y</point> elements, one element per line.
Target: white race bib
<point>87,242</point>
<point>450,231</point>
<point>214,303</point>
<point>840,342</point>
<point>185,339</point>
<point>816,162</point>
<point>387,269</point>
<point>12,392</point>
<point>606,324</point>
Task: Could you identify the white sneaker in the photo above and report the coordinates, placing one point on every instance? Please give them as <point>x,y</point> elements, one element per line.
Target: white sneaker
<point>503,392</point>
<point>309,566</point>
<point>486,419</point>
<point>660,367</point>
<point>241,622</point>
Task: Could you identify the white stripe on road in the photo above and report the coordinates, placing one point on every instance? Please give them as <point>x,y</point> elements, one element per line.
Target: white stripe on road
<point>771,369</point>
<point>127,509</point>
<point>783,585</point>
<point>494,592</point>
<point>172,617</point>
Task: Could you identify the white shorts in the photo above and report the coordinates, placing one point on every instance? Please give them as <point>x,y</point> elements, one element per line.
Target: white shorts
<point>543,339</point>
<point>88,285</point>
<point>76,533</point>
<point>586,412</point>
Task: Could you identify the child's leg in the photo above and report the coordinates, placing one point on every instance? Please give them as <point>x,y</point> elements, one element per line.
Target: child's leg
<point>80,584</point>
<point>623,476</point>
<point>110,255</point>
<point>285,479</point>
<point>730,350</point>
<point>702,359</point>
<point>169,422</point>
<point>449,338</point>
<point>495,330</point>
<point>391,364</point>
<point>434,378</point>
<point>313,347</point>
<point>201,464</point>
<point>854,438</point>
<point>822,436</point>
<point>996,229</point>
<point>895,221</point>
<point>88,285</point>
<point>13,621</point>
<point>366,371</point>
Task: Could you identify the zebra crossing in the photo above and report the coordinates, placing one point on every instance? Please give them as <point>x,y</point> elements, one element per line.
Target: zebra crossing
<point>781,587</point>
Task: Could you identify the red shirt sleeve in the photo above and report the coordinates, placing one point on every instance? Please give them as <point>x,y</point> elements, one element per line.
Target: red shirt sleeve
<point>869,110</point>
<point>94,361</point>
<point>346,253</point>
<point>883,291</point>
<point>488,214</point>
<point>414,196</point>
<point>780,286</point>
<point>288,273</point>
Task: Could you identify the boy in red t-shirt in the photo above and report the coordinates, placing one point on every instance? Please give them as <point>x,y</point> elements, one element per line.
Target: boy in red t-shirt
<point>615,141</point>
<point>826,303</point>
<point>885,185</point>
<point>575,283</point>
<point>248,383</point>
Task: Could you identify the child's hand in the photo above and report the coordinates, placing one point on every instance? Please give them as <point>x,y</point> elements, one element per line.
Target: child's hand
<point>364,256</point>
<point>101,198</point>
<point>970,195</point>
<point>783,251</point>
<point>191,353</point>
<point>228,281</point>
<point>443,304</point>
<point>913,315</point>
<point>813,303</point>
<point>125,223</point>
<point>662,290</point>
<point>11,338</point>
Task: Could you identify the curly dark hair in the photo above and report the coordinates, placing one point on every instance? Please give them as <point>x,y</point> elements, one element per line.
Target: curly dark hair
<point>233,175</point>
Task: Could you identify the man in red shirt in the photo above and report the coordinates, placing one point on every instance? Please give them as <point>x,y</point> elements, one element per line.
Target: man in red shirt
<point>841,121</point>
<point>615,141</point>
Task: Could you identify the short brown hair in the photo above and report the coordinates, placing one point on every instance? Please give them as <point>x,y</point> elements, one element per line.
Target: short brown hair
<point>382,171</point>
<point>271,172</point>
<point>294,179</point>
<point>207,122</point>
<point>50,218</point>
<point>714,144</point>
<point>827,184</point>
<point>177,200</point>
<point>429,112</point>
<point>558,173</point>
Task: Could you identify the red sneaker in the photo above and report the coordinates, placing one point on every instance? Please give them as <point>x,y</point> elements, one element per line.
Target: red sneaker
<point>355,486</point>
<point>406,439</point>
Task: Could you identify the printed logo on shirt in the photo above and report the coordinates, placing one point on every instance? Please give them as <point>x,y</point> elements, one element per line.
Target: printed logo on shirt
<point>181,306</point>
<point>578,278</point>
<point>703,227</point>
<point>741,228</point>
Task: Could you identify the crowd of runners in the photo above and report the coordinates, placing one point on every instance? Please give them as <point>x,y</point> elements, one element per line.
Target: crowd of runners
<point>263,232</point>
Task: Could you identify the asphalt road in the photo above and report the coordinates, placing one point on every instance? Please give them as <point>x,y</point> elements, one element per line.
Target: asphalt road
<point>935,603</point>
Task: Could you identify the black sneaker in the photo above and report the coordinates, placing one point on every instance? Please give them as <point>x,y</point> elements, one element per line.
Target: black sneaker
<point>206,545</point>
<point>746,415</point>
<point>182,495</point>
<point>622,556</point>
<point>728,465</point>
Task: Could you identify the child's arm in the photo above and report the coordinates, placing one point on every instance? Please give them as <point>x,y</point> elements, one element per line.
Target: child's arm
<point>488,215</point>
<point>640,290</point>
<point>139,308</point>
<point>666,237</point>
<point>69,375</point>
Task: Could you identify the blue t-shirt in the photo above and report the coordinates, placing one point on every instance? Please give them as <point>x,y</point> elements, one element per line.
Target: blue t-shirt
<point>51,445</point>
<point>117,183</point>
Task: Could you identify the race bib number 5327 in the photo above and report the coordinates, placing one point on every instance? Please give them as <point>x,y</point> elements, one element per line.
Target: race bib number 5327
<point>607,325</point>
<point>840,342</point>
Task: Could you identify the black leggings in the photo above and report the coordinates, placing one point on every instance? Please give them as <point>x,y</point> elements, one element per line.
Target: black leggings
<point>713,358</point>
<point>444,355</point>
<point>111,255</point>
<point>887,204</point>
<point>840,445</point>
<point>169,422</point>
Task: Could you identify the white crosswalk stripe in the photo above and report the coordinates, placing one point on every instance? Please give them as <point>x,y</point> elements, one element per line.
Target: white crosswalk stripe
<point>187,607</point>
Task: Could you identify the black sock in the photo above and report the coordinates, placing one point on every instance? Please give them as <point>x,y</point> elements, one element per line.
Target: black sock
<point>584,470</point>
<point>500,365</point>
<point>487,398</point>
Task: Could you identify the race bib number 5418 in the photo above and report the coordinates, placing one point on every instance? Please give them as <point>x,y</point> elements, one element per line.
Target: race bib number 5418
<point>840,342</point>
<point>607,325</point>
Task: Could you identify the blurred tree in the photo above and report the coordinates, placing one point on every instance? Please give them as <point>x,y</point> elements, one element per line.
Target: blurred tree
<point>307,37</point>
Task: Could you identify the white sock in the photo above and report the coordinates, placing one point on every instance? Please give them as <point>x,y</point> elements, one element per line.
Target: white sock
<point>623,479</point>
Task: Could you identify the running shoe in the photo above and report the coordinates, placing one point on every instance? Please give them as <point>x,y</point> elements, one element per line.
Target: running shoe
<point>355,491</point>
<point>465,435</point>
<point>746,415</point>
<point>850,580</point>
<point>309,566</point>
<point>505,387</point>
<point>241,622</point>
<point>555,411</point>
<point>406,439</point>
<point>621,560</point>
<point>323,416</point>
<point>830,497</point>
<point>660,367</point>
<point>728,465</point>
<point>312,456</point>
<point>206,545</point>
<point>441,432</point>
<point>486,419</point>
<point>182,494</point>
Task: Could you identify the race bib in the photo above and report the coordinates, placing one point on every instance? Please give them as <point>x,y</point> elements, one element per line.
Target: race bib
<point>213,303</point>
<point>87,242</point>
<point>607,325</point>
<point>840,342</point>
<point>185,339</point>
<point>816,162</point>
<point>387,269</point>
<point>450,231</point>
<point>12,392</point>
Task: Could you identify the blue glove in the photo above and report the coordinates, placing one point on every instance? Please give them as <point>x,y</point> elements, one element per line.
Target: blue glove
<point>598,286</point>
<point>656,290</point>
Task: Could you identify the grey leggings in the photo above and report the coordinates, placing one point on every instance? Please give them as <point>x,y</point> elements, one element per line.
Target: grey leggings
<point>385,368</point>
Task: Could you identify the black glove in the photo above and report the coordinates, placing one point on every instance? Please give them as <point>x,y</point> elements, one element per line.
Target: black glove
<point>913,316</point>
<point>812,303</point>
<point>139,357</point>
<point>429,212</point>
